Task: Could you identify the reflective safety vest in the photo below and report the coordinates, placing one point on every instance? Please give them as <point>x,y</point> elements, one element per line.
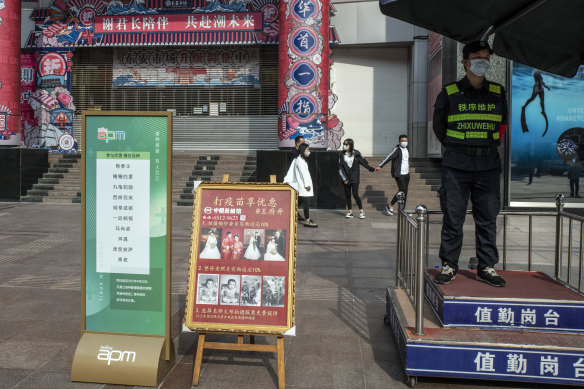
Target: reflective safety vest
<point>474,122</point>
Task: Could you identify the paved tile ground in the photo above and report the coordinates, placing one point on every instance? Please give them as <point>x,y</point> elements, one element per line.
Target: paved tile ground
<point>343,269</point>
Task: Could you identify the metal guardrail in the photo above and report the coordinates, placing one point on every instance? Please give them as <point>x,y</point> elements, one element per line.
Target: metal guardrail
<point>412,250</point>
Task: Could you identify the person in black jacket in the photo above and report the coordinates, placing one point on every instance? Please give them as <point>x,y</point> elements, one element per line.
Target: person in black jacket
<point>294,150</point>
<point>349,170</point>
<point>400,169</point>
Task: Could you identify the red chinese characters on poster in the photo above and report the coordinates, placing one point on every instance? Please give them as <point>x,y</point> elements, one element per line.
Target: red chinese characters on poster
<point>242,257</point>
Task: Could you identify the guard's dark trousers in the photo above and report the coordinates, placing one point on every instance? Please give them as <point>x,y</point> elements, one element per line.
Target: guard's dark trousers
<point>483,187</point>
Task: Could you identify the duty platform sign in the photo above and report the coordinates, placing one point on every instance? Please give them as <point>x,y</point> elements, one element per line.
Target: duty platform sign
<point>126,240</point>
<point>505,313</point>
<point>497,363</point>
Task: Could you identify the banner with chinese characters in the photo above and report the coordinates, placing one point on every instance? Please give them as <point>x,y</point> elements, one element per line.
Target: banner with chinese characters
<point>187,67</point>
<point>236,21</point>
<point>126,222</point>
<point>242,260</point>
<point>86,23</point>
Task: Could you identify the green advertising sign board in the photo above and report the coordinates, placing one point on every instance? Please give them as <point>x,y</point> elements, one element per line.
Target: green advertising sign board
<point>126,206</point>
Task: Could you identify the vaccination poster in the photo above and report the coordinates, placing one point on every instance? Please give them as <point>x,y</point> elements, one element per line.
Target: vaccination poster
<point>547,137</point>
<point>243,255</point>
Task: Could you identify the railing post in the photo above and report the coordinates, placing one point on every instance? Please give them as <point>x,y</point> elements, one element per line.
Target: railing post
<point>419,272</point>
<point>399,256</point>
<point>559,234</point>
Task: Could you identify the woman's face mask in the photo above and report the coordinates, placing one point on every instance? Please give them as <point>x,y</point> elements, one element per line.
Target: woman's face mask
<point>345,147</point>
<point>307,154</point>
<point>479,66</point>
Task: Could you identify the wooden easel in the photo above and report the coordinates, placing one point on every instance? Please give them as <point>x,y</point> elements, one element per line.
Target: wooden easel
<point>278,348</point>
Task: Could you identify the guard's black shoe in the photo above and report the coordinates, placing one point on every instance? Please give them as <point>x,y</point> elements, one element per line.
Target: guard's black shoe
<point>490,276</point>
<point>446,275</point>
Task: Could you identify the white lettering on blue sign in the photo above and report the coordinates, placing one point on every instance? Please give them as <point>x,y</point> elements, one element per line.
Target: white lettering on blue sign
<point>548,364</point>
<point>579,368</point>
<point>506,315</point>
<point>528,316</point>
<point>551,318</point>
<point>516,363</point>
<point>483,315</point>
<point>485,362</point>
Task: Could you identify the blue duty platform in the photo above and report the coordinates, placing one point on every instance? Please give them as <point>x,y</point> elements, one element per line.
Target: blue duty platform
<point>531,330</point>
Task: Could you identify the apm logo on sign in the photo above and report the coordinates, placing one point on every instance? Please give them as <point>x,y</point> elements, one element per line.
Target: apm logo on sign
<point>107,135</point>
<point>107,353</point>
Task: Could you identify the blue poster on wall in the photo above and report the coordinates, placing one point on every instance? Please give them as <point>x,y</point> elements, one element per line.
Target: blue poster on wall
<point>547,136</point>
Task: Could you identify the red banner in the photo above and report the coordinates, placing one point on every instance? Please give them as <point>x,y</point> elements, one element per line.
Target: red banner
<point>241,264</point>
<point>240,21</point>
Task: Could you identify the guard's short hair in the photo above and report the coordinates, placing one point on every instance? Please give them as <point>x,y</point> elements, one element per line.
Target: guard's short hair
<point>403,136</point>
<point>298,139</point>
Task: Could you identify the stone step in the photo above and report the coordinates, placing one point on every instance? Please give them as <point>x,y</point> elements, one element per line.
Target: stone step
<point>53,175</point>
<point>31,199</point>
<point>64,193</point>
<point>67,188</point>
<point>37,192</point>
<point>48,180</point>
<point>58,200</point>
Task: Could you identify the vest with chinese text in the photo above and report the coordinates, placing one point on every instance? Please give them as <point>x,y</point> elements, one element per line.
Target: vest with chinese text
<point>474,122</point>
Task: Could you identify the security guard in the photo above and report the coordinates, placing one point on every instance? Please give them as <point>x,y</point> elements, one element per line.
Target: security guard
<point>470,117</point>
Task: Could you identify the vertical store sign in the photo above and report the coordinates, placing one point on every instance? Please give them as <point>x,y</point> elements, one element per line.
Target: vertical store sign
<point>126,222</point>
<point>303,71</point>
<point>126,238</point>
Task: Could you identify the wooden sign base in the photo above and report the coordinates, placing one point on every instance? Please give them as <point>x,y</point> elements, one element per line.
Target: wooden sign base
<point>278,348</point>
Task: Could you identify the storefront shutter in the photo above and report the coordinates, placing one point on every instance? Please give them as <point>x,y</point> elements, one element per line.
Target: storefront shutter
<point>246,115</point>
<point>371,84</point>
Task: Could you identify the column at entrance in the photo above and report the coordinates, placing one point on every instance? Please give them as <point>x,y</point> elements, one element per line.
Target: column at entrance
<point>303,71</point>
<point>10,76</point>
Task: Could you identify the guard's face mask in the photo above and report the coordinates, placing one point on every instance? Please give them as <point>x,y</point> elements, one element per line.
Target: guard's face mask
<point>403,144</point>
<point>479,66</point>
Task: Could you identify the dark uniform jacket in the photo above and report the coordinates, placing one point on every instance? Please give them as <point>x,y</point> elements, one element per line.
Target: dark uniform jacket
<point>396,156</point>
<point>293,154</point>
<point>466,119</point>
<point>352,174</point>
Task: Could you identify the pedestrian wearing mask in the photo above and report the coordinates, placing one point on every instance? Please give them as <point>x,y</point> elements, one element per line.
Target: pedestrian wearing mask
<point>400,170</point>
<point>299,178</point>
<point>470,118</point>
<point>350,170</point>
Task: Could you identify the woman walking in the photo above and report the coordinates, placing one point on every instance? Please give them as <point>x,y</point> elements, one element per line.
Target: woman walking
<point>349,170</point>
<point>299,178</point>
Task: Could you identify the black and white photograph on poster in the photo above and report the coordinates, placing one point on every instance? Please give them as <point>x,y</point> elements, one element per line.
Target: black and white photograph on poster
<point>209,242</point>
<point>251,290</point>
<point>207,292</point>
<point>229,294</point>
<point>275,245</point>
<point>273,291</point>
<point>253,243</point>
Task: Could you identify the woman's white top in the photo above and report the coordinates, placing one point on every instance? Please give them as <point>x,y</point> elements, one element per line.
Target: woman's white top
<point>349,158</point>
<point>299,178</point>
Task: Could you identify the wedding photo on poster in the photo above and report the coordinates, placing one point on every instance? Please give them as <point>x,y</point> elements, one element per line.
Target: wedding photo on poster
<point>242,258</point>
